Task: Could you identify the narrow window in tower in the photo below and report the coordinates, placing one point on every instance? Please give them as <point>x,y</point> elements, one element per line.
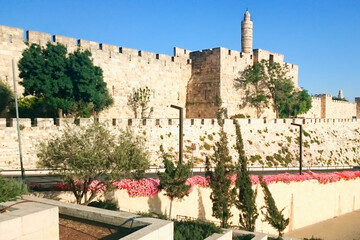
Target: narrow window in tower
<point>113,90</point>
<point>10,39</point>
<point>271,58</point>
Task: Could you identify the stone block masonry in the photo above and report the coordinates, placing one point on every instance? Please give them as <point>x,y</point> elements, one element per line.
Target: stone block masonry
<point>190,79</point>
<point>268,143</point>
<point>29,220</point>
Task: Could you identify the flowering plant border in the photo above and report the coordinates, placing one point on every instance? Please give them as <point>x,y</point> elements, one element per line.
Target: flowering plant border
<point>148,187</point>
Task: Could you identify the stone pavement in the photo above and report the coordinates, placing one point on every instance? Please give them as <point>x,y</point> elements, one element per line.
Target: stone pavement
<point>344,227</point>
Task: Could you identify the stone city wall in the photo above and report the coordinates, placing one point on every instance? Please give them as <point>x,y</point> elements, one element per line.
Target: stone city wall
<point>325,107</point>
<point>188,79</point>
<point>268,143</point>
<point>234,99</point>
<point>124,70</point>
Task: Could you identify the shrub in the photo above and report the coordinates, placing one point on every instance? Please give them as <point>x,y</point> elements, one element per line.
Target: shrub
<point>10,189</point>
<point>107,204</point>
<point>244,237</point>
<point>195,230</point>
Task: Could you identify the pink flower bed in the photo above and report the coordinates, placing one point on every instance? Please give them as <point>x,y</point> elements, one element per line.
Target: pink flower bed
<point>148,187</point>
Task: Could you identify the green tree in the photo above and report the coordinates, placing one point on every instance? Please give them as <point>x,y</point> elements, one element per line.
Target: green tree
<point>272,215</point>
<point>299,102</point>
<point>174,178</point>
<point>252,78</point>
<point>222,195</point>
<point>10,189</point>
<point>6,96</point>
<point>32,107</point>
<point>140,98</point>
<point>68,83</point>
<point>93,156</point>
<point>246,201</point>
<point>269,82</point>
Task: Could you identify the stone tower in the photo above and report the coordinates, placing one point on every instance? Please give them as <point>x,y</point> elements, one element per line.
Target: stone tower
<point>247,34</point>
<point>341,94</point>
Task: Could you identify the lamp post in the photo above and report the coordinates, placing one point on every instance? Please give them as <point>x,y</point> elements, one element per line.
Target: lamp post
<point>300,143</point>
<point>18,124</point>
<point>181,119</point>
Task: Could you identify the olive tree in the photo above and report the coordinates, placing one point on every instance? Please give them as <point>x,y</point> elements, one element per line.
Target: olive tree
<point>93,156</point>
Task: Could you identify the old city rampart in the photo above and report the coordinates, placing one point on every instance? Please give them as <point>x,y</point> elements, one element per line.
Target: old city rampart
<point>188,79</point>
<point>192,80</point>
<point>268,142</point>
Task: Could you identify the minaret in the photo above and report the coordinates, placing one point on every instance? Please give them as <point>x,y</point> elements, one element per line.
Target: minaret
<point>341,94</point>
<point>247,34</point>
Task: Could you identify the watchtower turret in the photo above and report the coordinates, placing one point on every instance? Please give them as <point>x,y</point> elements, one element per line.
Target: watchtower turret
<point>246,34</point>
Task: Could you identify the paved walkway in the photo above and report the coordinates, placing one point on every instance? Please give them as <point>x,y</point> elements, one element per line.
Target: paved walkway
<point>344,227</point>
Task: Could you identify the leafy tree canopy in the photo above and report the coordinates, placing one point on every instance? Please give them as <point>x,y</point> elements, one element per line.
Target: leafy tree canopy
<point>6,96</point>
<point>67,82</point>
<point>10,189</point>
<point>269,82</point>
<point>92,155</point>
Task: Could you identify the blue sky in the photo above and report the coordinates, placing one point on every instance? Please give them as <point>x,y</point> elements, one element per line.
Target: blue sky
<point>322,37</point>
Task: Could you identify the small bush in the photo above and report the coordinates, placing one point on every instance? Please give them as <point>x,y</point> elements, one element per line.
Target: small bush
<point>153,215</point>
<point>238,116</point>
<point>195,230</point>
<point>244,237</point>
<point>10,189</point>
<point>107,204</point>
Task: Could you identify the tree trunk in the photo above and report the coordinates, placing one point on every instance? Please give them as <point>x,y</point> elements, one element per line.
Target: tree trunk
<point>171,202</point>
<point>60,113</point>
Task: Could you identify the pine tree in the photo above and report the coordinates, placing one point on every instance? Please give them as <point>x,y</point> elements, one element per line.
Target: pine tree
<point>223,195</point>
<point>174,178</point>
<point>272,215</point>
<point>246,201</point>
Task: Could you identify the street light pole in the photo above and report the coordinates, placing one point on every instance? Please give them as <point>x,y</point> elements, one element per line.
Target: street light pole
<point>300,143</point>
<point>18,124</point>
<point>181,119</point>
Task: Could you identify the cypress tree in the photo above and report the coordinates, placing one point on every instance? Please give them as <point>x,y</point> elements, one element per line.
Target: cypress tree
<point>272,215</point>
<point>246,201</point>
<point>223,195</point>
<point>174,178</point>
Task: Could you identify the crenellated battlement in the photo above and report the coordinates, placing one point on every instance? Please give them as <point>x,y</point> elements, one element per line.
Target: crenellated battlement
<point>180,55</point>
<point>11,33</point>
<point>164,122</point>
<point>264,139</point>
